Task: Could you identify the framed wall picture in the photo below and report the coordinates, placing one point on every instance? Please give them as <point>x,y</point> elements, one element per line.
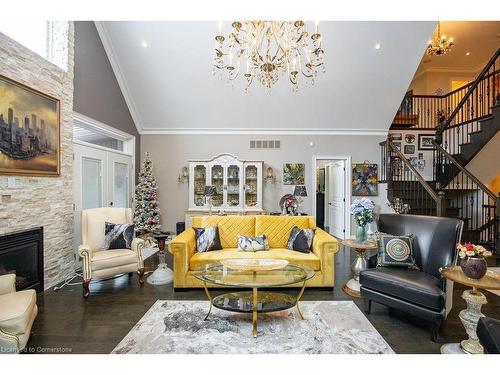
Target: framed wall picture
<point>365,180</point>
<point>398,145</point>
<point>396,136</point>
<point>410,138</point>
<point>29,131</point>
<point>425,141</point>
<point>409,149</point>
<point>294,174</point>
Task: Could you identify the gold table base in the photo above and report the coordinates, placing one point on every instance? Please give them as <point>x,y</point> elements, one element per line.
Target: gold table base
<point>276,301</point>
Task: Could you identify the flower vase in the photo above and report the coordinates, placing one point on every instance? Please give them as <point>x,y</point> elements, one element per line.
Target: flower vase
<point>361,233</point>
<point>475,268</point>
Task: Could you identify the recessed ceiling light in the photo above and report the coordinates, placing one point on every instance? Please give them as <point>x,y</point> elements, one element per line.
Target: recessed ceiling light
<point>144,44</point>
<point>467,53</point>
<point>378,45</point>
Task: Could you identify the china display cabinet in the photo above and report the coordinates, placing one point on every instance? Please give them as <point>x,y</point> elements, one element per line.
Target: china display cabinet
<point>238,186</point>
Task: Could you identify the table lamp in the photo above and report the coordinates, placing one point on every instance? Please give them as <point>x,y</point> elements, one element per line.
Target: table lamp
<point>209,192</point>
<point>299,191</point>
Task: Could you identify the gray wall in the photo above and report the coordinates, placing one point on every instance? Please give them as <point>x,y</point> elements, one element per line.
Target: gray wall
<point>97,93</point>
<point>171,152</point>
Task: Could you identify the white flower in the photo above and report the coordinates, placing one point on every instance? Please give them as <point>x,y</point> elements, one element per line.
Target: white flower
<point>470,253</point>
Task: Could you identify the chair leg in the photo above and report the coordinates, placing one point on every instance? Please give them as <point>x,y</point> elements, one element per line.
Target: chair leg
<point>140,272</point>
<point>368,305</point>
<point>86,291</point>
<point>435,333</point>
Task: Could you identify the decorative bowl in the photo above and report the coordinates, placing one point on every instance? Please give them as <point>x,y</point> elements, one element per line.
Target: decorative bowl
<point>255,264</point>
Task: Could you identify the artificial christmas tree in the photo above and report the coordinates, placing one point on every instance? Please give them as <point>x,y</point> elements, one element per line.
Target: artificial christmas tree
<point>146,209</point>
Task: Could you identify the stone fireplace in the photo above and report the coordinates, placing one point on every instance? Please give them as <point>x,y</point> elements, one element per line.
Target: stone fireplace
<point>22,253</point>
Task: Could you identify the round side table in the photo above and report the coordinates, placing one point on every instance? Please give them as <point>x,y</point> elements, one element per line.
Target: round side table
<point>352,287</point>
<point>162,275</point>
<point>470,316</point>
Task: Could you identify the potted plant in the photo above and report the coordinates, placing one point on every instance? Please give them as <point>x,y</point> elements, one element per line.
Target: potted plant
<point>362,211</point>
<point>473,262</point>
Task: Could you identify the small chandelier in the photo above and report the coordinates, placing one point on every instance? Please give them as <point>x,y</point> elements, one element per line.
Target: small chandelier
<point>267,50</point>
<point>439,45</point>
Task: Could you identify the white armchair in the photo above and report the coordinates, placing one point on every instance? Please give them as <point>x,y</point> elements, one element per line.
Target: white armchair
<point>18,311</point>
<point>98,263</point>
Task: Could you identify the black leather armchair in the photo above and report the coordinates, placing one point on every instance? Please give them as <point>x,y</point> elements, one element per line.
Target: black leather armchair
<point>488,333</point>
<point>423,293</point>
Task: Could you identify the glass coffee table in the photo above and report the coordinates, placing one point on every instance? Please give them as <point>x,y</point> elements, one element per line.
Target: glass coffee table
<point>253,301</point>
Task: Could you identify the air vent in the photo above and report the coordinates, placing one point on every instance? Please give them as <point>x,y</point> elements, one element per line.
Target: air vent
<point>265,144</point>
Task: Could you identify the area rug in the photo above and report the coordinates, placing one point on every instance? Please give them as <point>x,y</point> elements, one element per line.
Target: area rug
<point>330,327</point>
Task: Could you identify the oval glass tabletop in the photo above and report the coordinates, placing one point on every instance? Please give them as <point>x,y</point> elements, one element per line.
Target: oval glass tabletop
<point>489,281</point>
<point>216,273</point>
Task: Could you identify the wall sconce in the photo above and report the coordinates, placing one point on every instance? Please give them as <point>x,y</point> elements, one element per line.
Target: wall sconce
<point>270,177</point>
<point>184,176</point>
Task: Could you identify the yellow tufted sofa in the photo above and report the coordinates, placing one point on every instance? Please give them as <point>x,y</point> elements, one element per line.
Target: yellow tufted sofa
<point>276,228</point>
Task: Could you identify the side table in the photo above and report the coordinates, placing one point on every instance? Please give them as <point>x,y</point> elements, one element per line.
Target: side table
<point>470,316</point>
<point>352,287</point>
<point>162,275</point>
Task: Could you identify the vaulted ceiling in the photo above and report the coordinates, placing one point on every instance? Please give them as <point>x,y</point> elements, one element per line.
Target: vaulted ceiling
<point>169,87</point>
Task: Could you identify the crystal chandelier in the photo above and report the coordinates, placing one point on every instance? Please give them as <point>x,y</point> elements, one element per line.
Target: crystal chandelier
<point>439,45</point>
<point>267,50</point>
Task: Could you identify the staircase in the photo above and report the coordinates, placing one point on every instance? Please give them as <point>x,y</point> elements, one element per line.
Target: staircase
<point>465,121</point>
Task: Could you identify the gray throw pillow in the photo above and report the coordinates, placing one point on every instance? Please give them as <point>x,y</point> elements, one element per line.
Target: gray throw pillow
<point>395,251</point>
<point>300,239</point>
<point>207,239</point>
<point>247,243</point>
<point>118,236</point>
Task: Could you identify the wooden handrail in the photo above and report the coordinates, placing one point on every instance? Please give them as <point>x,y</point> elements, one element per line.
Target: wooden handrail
<point>464,170</point>
<point>417,175</point>
<point>441,128</point>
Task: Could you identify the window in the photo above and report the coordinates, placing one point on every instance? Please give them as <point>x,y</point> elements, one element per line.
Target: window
<point>49,39</point>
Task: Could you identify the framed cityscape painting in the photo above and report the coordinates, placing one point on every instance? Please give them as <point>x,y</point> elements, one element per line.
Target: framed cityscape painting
<point>29,131</point>
<point>294,173</point>
<point>364,180</point>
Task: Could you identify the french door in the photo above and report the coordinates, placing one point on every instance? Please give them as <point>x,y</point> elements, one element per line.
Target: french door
<point>101,179</point>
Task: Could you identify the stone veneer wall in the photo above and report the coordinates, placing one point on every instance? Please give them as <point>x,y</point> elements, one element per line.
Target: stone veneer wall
<point>43,201</point>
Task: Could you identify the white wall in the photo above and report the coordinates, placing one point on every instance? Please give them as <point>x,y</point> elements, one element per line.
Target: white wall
<point>430,82</point>
<point>171,152</point>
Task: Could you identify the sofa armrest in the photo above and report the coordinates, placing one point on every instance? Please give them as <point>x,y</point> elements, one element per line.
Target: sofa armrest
<point>7,283</point>
<point>324,243</point>
<point>137,246</point>
<point>182,247</point>
<point>85,252</point>
<point>324,247</point>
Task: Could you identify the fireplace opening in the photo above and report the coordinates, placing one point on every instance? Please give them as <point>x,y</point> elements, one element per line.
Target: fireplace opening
<point>22,253</point>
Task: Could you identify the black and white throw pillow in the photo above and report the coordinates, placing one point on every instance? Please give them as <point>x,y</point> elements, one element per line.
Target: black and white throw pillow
<point>247,243</point>
<point>207,239</point>
<point>395,251</point>
<point>301,239</point>
<point>118,236</point>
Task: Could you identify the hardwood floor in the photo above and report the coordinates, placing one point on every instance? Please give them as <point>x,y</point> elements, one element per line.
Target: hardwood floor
<point>67,323</point>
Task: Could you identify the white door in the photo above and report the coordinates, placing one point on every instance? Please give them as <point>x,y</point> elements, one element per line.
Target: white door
<point>101,178</point>
<point>335,198</point>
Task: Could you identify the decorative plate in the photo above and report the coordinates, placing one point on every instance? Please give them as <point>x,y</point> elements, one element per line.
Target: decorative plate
<point>255,264</point>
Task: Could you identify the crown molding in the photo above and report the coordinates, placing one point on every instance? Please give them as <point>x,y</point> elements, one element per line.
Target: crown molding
<point>120,77</point>
<point>264,131</point>
<point>443,69</point>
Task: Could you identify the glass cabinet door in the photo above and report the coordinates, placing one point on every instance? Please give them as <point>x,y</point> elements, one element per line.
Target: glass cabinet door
<point>251,186</point>
<point>200,180</point>
<point>218,182</point>
<point>233,186</point>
